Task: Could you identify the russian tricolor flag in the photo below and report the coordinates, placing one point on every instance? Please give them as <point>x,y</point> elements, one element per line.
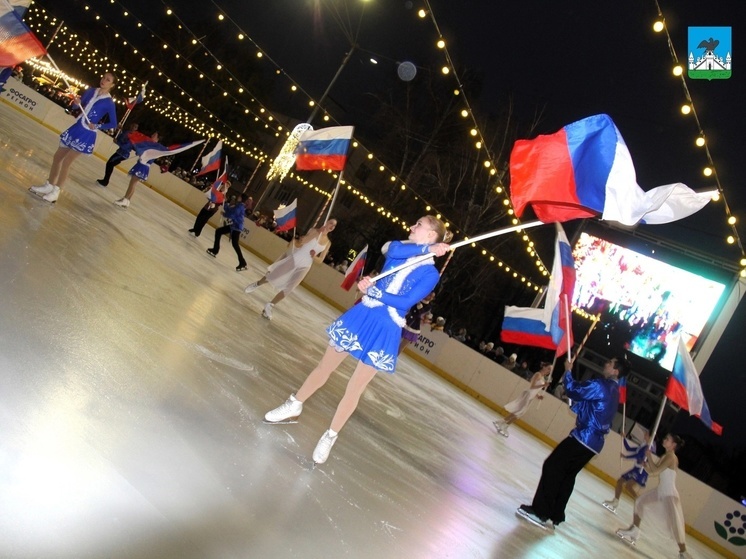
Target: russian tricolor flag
<point>286,217</point>
<point>355,270</point>
<point>685,390</point>
<point>17,42</point>
<point>585,170</point>
<point>623,390</point>
<point>130,102</point>
<point>150,151</point>
<point>547,327</point>
<point>324,149</point>
<point>211,161</point>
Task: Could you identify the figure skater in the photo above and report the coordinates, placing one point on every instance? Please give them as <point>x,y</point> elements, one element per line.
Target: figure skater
<point>411,331</point>
<point>664,498</point>
<point>371,330</point>
<point>286,273</point>
<point>595,403</point>
<point>234,212</point>
<point>518,407</point>
<point>80,138</point>
<point>215,199</point>
<point>635,479</point>
<point>141,169</point>
<point>124,141</point>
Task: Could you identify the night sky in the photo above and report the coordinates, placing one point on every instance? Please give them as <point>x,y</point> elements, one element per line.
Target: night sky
<point>561,61</point>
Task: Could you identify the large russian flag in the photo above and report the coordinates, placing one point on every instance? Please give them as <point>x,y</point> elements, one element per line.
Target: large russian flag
<point>684,388</point>
<point>286,217</point>
<point>211,161</point>
<point>17,42</point>
<point>324,149</point>
<point>584,170</point>
<point>150,151</point>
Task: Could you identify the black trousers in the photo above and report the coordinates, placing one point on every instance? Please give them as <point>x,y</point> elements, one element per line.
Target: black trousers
<point>113,161</point>
<point>558,479</point>
<point>203,217</point>
<point>235,236</point>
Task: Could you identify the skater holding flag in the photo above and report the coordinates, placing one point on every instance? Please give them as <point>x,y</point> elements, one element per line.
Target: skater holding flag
<point>371,330</point>
<point>95,104</point>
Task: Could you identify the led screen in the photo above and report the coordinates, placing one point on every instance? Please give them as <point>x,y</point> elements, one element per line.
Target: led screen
<point>656,302</point>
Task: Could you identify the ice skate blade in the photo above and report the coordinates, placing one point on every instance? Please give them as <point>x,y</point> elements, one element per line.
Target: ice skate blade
<point>41,197</point>
<point>521,514</point>
<point>283,422</point>
<point>626,540</point>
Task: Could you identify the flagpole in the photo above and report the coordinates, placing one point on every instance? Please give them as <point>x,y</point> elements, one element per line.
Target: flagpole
<point>454,246</point>
<point>251,178</point>
<point>624,430</point>
<point>593,325</point>
<point>333,199</point>
<point>567,326</point>
<point>658,420</point>
<point>191,170</point>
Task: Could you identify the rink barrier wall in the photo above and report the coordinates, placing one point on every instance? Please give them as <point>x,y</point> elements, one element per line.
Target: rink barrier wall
<point>493,385</point>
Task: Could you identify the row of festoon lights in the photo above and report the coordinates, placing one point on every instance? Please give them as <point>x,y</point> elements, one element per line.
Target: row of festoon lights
<point>381,210</point>
<point>73,47</point>
<point>688,108</point>
<point>474,131</point>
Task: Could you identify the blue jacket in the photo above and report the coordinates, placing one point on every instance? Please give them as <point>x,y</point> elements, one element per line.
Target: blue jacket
<point>408,287</point>
<point>595,402</point>
<point>235,213</point>
<point>103,106</point>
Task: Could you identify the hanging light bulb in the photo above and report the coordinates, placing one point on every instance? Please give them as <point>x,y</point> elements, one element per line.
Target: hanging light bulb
<point>732,220</point>
<point>659,25</point>
<point>686,109</point>
<point>678,70</point>
<point>707,171</point>
<point>700,141</point>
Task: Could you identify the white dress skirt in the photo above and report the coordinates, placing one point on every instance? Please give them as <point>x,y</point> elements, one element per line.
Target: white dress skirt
<point>286,273</point>
<point>664,502</point>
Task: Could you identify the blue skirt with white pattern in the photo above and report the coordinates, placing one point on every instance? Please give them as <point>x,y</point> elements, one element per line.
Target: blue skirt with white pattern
<point>140,170</point>
<point>369,335</point>
<point>79,138</point>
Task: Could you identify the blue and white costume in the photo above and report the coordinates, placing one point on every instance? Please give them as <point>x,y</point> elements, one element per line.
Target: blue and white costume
<point>141,169</point>
<point>94,106</point>
<point>371,330</point>
<point>637,474</point>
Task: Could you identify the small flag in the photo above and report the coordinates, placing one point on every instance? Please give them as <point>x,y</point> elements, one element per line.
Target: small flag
<point>286,217</point>
<point>547,327</point>
<point>355,270</point>
<point>150,151</point>
<point>623,390</point>
<point>17,42</point>
<point>585,170</point>
<point>324,149</point>
<point>211,161</point>
<point>685,390</point>
<point>222,177</point>
<point>130,102</point>
<point>525,326</point>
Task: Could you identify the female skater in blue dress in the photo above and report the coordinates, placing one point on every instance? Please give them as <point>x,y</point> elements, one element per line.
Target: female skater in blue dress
<point>371,331</point>
<point>80,138</point>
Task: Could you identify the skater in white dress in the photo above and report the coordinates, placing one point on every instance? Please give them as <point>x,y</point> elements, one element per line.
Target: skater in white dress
<point>518,407</point>
<point>371,330</point>
<point>664,499</point>
<point>286,273</point>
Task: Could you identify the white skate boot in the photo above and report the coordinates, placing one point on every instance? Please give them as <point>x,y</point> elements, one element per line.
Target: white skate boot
<point>251,288</point>
<point>52,196</point>
<point>324,447</point>
<point>611,505</point>
<point>629,535</point>
<point>42,189</point>
<point>267,312</point>
<point>285,413</point>
<point>122,203</point>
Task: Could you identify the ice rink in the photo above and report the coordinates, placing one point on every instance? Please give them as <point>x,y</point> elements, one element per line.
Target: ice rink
<point>135,374</point>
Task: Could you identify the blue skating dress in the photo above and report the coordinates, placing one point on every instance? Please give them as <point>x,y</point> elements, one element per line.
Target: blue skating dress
<point>371,330</point>
<point>81,138</point>
<point>141,169</point>
<point>638,473</point>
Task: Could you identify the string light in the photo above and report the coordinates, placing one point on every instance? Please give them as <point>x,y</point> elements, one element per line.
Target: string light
<point>689,109</point>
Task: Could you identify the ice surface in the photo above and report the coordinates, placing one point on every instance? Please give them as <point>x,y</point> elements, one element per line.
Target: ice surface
<point>134,374</point>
